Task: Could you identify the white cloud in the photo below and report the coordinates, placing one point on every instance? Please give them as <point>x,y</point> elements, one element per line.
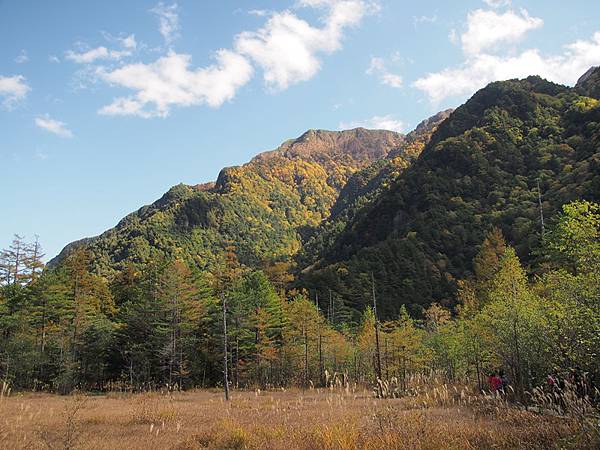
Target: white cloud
<point>377,123</point>
<point>168,18</point>
<point>89,56</point>
<point>452,36</point>
<point>370,6</point>
<point>22,58</point>
<point>377,68</point>
<point>259,12</point>
<point>128,42</point>
<point>424,19</point>
<point>481,69</point>
<point>377,64</point>
<point>497,3</point>
<point>41,154</point>
<point>94,54</point>
<point>287,47</point>
<point>487,29</point>
<point>391,79</point>
<point>53,59</point>
<point>169,82</point>
<point>53,126</point>
<point>13,90</point>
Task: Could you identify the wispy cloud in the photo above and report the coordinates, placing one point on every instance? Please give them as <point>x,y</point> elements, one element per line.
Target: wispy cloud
<point>13,90</point>
<point>417,20</point>
<point>94,54</point>
<point>128,42</point>
<point>377,68</point>
<point>41,154</point>
<point>259,12</point>
<point>22,58</point>
<point>168,18</point>
<point>87,55</point>
<point>53,126</point>
<point>497,3</point>
<point>387,122</point>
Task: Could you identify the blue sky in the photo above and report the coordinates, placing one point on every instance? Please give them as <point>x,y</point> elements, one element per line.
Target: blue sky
<point>105,105</point>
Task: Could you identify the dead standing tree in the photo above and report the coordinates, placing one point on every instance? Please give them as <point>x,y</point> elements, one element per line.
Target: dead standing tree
<point>377,349</point>
<point>225,352</point>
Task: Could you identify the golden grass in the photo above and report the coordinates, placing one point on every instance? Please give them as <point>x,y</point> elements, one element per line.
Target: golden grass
<point>293,419</point>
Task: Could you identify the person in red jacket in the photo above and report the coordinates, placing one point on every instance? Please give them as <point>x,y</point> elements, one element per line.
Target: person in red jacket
<point>495,382</point>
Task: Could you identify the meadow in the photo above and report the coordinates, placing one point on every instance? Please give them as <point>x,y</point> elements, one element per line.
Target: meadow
<point>344,418</point>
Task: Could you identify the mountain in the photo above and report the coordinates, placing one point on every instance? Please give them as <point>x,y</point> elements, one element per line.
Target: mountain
<point>481,168</point>
<point>263,207</point>
<point>408,210</point>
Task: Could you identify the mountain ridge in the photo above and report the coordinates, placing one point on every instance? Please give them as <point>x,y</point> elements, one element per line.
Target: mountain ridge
<point>310,170</point>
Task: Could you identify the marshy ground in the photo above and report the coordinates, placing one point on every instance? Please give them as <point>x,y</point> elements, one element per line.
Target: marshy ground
<point>312,419</point>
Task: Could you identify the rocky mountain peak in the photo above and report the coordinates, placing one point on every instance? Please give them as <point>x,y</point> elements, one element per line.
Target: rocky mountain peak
<point>589,83</point>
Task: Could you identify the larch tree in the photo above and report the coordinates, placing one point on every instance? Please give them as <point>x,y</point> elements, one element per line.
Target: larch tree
<point>487,262</point>
<point>518,321</point>
<point>179,294</point>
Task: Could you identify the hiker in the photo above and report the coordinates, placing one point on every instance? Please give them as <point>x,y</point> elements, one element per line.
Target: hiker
<point>495,382</point>
<point>552,382</point>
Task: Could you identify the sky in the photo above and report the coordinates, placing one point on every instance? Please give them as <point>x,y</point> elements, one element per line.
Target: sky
<point>104,105</point>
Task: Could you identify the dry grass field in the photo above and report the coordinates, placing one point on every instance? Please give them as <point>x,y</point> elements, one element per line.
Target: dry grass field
<point>293,419</point>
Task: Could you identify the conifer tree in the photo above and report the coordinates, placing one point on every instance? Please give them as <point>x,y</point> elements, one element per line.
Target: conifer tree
<point>183,308</point>
<point>487,263</point>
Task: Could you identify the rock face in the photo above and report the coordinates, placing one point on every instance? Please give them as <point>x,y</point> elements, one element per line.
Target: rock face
<point>359,144</point>
<point>583,78</point>
<point>589,83</point>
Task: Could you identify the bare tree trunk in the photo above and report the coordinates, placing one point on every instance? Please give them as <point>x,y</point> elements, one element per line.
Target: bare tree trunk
<point>225,369</point>
<point>385,359</point>
<point>43,345</point>
<point>321,375</point>
<point>17,262</point>
<point>377,350</point>
<point>237,361</point>
<point>305,357</point>
<point>540,206</point>
<point>131,373</point>
<point>332,309</point>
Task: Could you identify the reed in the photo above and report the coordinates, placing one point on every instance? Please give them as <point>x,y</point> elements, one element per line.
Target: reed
<point>336,417</point>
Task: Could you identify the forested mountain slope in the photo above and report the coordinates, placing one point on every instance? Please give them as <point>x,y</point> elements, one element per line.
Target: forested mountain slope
<point>481,168</point>
<point>364,186</point>
<point>261,208</point>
